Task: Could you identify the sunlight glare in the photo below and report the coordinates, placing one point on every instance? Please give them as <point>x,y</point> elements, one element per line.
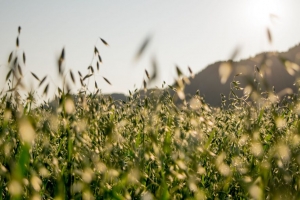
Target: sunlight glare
<point>263,13</point>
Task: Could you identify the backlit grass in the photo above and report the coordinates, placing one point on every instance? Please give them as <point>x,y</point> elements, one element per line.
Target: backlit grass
<point>90,146</point>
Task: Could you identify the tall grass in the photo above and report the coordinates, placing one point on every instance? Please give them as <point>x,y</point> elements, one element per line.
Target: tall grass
<point>90,146</point>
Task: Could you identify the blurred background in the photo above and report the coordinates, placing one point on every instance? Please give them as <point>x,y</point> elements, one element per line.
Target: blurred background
<point>193,33</point>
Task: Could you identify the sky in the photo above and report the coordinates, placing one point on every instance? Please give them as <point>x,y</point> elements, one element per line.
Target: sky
<point>192,33</point>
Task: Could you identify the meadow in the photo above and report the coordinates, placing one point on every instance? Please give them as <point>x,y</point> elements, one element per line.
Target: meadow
<point>90,146</point>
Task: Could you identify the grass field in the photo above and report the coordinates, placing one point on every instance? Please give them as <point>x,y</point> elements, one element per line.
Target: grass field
<point>93,147</point>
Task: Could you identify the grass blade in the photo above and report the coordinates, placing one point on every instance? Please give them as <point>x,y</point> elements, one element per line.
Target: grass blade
<point>81,82</point>
<point>8,75</point>
<point>98,67</point>
<point>191,72</point>
<point>104,42</point>
<point>42,81</point>
<point>14,73</point>
<point>257,69</point>
<point>10,57</point>
<point>225,71</point>
<point>107,81</point>
<point>179,72</point>
<point>24,58</point>
<point>143,47</point>
<point>96,50</point>
<point>62,55</point>
<point>269,35</point>
<point>11,90</point>
<point>17,42</point>
<point>154,68</point>
<point>20,70</point>
<point>87,76</point>
<point>91,68</point>
<point>18,82</point>
<point>147,74</point>
<point>99,57</point>
<point>46,89</point>
<point>35,76</point>
<point>59,90</point>
<point>16,60</point>
<point>72,76</point>
<point>235,53</point>
<point>145,85</point>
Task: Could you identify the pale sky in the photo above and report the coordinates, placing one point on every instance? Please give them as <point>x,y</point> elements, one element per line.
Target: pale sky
<point>186,33</point>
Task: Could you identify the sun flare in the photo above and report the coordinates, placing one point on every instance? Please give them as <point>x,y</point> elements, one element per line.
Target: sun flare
<point>263,13</point>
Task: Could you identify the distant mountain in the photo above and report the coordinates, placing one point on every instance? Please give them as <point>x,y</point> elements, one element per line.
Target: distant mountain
<point>279,69</point>
<point>273,65</point>
<point>118,96</point>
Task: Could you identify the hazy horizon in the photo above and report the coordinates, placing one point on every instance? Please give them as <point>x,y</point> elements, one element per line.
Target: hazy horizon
<point>194,33</point>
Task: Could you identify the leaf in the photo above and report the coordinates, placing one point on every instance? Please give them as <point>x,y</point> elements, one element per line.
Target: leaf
<point>24,58</point>
<point>107,80</point>
<point>35,76</point>
<point>46,89</point>
<point>19,29</point>
<point>72,76</point>
<point>104,42</point>
<point>20,70</point>
<point>98,66</point>
<point>96,85</point>
<point>10,57</point>
<point>17,42</point>
<point>42,81</point>
<point>8,75</point>
<point>142,48</point>
<point>79,74</point>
